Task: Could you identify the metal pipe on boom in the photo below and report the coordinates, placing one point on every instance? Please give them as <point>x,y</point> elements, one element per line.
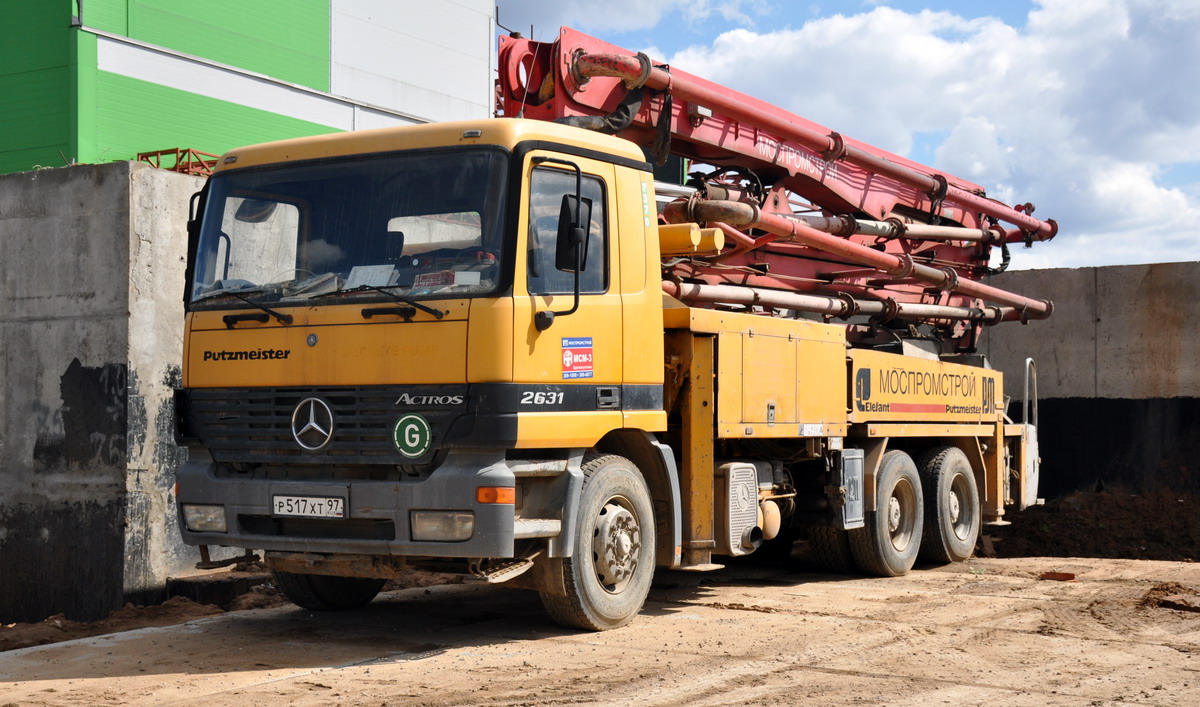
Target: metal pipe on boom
<point>894,228</point>
<point>637,71</point>
<point>898,266</point>
<point>841,307</point>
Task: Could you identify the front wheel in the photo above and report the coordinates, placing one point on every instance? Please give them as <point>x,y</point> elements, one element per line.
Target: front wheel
<point>887,544</point>
<point>608,574</point>
<point>321,592</point>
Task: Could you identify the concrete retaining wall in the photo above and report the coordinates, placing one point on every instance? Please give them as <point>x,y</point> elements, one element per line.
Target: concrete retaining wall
<point>1118,374</point>
<point>91,278</point>
<point>1117,332</point>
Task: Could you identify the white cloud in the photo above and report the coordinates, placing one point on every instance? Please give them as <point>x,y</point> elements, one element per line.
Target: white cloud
<point>977,151</point>
<point>738,11</point>
<point>1075,111</point>
<point>887,73</point>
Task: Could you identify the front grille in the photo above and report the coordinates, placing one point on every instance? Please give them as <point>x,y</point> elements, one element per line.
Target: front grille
<point>254,425</point>
<point>349,529</point>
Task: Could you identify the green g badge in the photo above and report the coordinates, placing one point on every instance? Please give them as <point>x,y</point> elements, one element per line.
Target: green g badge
<point>412,435</point>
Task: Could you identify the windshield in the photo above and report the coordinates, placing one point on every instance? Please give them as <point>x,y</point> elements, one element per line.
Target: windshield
<point>418,225</point>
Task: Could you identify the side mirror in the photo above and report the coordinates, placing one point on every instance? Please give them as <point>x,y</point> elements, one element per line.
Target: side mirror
<point>195,207</point>
<point>193,223</point>
<point>574,228</point>
<point>570,248</point>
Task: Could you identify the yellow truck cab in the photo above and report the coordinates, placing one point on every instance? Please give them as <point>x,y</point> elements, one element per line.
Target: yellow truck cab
<point>448,346</point>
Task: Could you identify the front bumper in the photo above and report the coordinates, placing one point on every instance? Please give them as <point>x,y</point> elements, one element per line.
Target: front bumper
<point>377,513</point>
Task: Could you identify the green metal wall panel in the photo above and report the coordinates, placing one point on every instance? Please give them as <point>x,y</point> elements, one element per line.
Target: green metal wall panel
<point>34,84</point>
<point>108,15</point>
<point>83,94</point>
<point>285,39</point>
<point>135,116</point>
<point>34,122</point>
<point>35,35</point>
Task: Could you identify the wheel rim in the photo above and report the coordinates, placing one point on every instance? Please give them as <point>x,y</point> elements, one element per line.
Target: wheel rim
<point>901,514</point>
<point>961,511</point>
<point>616,544</point>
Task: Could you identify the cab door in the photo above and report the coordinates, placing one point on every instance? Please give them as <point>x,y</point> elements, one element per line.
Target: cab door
<point>569,374</point>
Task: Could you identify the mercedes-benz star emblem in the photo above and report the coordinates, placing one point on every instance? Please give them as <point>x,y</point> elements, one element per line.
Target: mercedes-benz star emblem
<point>312,424</point>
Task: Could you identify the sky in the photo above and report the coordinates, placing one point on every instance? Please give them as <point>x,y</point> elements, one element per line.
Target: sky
<point>1090,109</point>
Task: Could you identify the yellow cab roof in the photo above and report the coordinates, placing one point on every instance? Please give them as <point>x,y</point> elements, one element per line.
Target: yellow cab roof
<point>505,132</point>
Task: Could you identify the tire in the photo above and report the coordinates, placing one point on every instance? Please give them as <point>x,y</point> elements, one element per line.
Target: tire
<point>887,544</point>
<point>831,549</point>
<point>321,592</point>
<point>608,574</point>
<point>952,514</point>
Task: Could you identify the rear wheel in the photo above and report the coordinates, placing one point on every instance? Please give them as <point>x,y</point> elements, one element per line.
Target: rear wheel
<point>887,544</point>
<point>321,592</point>
<point>831,548</point>
<point>952,515</point>
<point>608,575</point>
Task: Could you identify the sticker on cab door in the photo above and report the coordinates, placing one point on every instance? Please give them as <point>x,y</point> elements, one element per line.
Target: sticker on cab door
<point>577,357</point>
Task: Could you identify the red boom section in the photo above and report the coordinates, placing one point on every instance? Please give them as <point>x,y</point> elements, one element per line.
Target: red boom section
<point>804,208</point>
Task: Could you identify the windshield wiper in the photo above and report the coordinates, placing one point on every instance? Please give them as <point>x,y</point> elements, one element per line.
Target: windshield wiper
<point>231,319</point>
<point>363,288</point>
<point>428,310</point>
<point>230,293</point>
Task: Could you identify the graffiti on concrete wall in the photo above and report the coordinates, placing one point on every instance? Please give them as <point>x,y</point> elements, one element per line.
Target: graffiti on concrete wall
<point>94,422</point>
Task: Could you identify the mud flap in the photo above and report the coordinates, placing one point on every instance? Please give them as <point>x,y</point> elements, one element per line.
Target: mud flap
<point>849,479</point>
<point>1030,467</point>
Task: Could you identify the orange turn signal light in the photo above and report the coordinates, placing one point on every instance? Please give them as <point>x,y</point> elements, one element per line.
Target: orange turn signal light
<point>496,494</point>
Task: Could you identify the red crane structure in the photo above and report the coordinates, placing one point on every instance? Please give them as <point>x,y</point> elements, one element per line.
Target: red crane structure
<point>813,220</point>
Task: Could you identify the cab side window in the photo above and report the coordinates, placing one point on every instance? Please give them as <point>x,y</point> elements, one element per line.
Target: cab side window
<point>547,188</point>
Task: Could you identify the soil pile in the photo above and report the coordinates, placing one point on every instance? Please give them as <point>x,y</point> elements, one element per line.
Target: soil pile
<point>1172,595</point>
<point>175,610</point>
<point>1110,523</point>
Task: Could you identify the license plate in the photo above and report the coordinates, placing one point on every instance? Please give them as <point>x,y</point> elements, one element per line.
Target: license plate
<point>309,506</point>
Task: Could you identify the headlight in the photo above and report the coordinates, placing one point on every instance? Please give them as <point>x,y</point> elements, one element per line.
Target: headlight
<point>204,519</point>
<point>442,526</point>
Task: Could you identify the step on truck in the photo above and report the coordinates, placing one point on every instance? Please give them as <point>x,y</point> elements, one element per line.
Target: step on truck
<point>501,348</point>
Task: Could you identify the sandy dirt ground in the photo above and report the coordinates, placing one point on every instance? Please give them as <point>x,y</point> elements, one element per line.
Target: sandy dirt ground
<point>988,631</point>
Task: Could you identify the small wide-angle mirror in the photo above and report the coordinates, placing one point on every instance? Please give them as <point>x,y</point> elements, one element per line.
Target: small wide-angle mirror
<point>255,210</point>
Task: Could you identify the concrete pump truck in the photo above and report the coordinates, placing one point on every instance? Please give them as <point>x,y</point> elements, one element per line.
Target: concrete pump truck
<point>500,348</point>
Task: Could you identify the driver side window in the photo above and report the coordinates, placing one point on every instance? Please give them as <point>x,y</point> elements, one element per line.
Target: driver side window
<point>547,187</point>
